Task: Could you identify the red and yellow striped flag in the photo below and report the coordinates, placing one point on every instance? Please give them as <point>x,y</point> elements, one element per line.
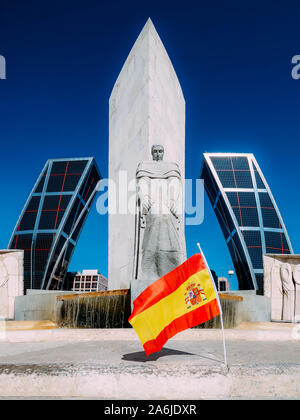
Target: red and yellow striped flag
<point>181,299</point>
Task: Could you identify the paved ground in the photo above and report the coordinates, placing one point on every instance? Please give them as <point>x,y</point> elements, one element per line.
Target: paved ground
<point>263,359</point>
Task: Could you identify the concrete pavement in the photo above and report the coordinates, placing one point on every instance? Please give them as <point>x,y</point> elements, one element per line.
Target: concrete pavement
<point>263,358</point>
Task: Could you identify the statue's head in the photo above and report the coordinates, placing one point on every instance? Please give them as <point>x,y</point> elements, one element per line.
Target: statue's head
<point>157,152</point>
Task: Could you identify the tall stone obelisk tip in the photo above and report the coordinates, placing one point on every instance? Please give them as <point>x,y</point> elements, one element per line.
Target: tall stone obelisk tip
<point>149,21</point>
<point>149,25</point>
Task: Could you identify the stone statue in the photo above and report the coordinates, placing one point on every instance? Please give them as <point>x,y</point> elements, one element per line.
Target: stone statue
<point>296,277</point>
<point>282,286</point>
<point>288,290</point>
<point>159,238</point>
<point>274,290</point>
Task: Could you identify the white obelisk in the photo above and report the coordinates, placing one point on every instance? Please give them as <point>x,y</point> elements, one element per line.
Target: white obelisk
<point>146,107</point>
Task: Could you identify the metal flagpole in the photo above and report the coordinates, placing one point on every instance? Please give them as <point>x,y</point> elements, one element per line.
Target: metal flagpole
<point>218,300</point>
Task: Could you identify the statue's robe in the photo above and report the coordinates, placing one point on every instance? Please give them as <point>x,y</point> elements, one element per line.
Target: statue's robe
<point>161,248</point>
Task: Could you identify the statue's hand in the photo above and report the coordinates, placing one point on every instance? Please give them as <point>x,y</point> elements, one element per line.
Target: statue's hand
<point>146,205</point>
<point>172,207</point>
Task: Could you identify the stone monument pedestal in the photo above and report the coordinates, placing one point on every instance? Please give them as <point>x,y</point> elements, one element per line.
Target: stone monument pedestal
<point>11,280</point>
<point>282,286</point>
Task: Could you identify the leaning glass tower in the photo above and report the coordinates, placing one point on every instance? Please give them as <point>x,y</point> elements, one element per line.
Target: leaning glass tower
<point>51,221</point>
<point>247,213</point>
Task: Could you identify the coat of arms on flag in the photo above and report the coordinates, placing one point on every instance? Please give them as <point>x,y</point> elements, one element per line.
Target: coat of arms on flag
<point>194,294</point>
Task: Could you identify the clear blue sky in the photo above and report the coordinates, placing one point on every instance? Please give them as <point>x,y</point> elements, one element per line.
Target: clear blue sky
<point>232,58</point>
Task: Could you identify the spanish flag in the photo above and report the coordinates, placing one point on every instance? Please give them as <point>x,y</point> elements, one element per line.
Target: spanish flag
<point>181,299</point>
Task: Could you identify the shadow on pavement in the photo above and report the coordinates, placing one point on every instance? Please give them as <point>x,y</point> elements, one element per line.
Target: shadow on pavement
<point>140,356</point>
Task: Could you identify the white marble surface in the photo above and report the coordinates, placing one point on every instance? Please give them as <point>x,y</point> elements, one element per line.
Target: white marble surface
<point>146,107</point>
<point>11,281</point>
<point>281,280</point>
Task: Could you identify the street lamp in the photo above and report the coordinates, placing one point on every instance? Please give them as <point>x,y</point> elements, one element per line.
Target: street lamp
<point>230,274</point>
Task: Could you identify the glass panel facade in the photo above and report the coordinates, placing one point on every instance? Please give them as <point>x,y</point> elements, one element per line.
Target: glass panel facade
<point>251,212</point>
<point>254,246</point>
<point>42,248</point>
<point>244,207</point>
<point>89,185</point>
<point>65,175</point>
<point>240,263</point>
<point>50,216</point>
<point>233,172</point>
<point>80,224</point>
<point>53,210</point>
<point>72,218</point>
<point>269,215</point>
<point>259,181</point>
<point>276,243</point>
<point>29,217</point>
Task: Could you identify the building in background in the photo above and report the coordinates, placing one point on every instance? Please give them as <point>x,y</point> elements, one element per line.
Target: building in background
<point>51,221</point>
<point>223,284</point>
<point>247,214</point>
<point>87,281</point>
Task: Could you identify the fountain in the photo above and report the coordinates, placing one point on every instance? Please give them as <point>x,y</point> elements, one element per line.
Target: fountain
<point>109,309</point>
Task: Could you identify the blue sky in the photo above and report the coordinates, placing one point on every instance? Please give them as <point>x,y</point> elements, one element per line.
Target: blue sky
<point>233,60</point>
